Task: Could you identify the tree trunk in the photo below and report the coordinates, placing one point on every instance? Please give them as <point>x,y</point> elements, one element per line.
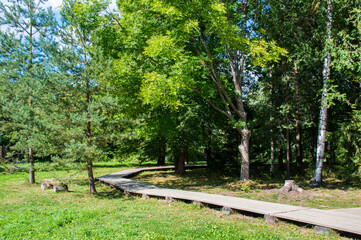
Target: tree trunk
<point>91,177</point>
<point>244,150</point>
<point>299,154</point>
<point>30,150</point>
<point>288,144</point>
<point>330,159</point>
<point>321,137</point>
<point>179,164</point>
<point>208,156</point>
<point>280,158</point>
<point>272,168</point>
<point>161,157</point>
<point>161,160</point>
<point>31,164</point>
<point>88,134</point>
<point>186,156</point>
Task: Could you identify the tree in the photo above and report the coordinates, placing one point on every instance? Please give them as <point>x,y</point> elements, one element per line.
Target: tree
<point>27,26</point>
<point>84,71</point>
<point>185,50</point>
<point>321,138</point>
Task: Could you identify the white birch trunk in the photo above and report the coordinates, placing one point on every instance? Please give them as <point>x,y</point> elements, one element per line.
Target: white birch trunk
<point>321,137</point>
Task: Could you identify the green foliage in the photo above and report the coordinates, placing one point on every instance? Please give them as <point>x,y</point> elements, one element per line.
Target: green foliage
<point>348,150</point>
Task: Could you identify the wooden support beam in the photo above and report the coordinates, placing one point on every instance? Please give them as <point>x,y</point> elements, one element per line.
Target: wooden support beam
<point>169,199</point>
<point>322,230</point>
<point>198,204</point>
<point>269,219</point>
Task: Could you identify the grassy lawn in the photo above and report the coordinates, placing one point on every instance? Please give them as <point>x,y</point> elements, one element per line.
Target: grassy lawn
<point>27,212</point>
<point>335,195</point>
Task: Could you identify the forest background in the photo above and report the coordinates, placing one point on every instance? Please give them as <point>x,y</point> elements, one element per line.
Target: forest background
<point>236,84</point>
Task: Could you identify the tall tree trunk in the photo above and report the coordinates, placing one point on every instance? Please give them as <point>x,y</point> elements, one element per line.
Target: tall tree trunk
<point>161,160</point>
<point>163,149</point>
<point>288,143</point>
<point>30,150</point>
<point>186,156</point>
<point>299,153</point>
<point>207,150</point>
<point>321,137</point>
<point>280,157</point>
<point>272,168</point>
<point>31,164</point>
<point>179,163</point>
<point>88,134</point>
<point>91,177</point>
<point>244,150</point>
<point>237,63</point>
<point>208,156</point>
<point>330,158</point>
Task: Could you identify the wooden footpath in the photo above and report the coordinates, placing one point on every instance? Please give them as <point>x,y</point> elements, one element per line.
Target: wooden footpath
<point>344,220</point>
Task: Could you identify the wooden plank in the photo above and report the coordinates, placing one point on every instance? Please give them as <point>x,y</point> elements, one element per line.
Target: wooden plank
<point>346,220</point>
<point>335,220</point>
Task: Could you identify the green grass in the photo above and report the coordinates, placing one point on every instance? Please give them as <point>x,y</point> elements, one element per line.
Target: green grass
<point>27,212</point>
<point>335,195</point>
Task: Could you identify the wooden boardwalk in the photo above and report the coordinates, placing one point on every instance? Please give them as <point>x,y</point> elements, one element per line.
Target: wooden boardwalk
<point>344,220</point>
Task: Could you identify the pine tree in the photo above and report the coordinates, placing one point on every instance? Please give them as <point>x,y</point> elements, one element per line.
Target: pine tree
<point>25,26</point>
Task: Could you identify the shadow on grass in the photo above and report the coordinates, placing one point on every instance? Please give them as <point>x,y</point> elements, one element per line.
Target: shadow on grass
<point>110,194</point>
<point>191,179</point>
<point>207,179</point>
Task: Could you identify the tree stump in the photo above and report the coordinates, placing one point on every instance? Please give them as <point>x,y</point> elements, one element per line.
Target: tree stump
<point>290,186</point>
<point>57,186</point>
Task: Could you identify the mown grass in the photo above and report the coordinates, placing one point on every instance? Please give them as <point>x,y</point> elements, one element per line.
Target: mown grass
<point>335,195</point>
<point>27,212</point>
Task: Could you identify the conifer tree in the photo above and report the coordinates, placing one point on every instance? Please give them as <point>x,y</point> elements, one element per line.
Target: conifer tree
<point>25,25</point>
<point>83,68</point>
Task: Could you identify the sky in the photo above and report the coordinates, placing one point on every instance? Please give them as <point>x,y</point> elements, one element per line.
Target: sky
<point>55,5</point>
